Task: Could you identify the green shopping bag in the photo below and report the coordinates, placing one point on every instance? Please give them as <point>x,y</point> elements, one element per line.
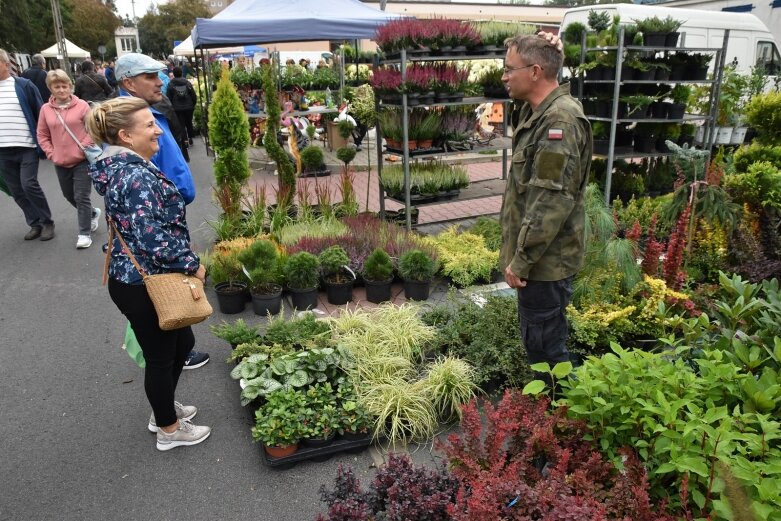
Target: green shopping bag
<point>132,348</point>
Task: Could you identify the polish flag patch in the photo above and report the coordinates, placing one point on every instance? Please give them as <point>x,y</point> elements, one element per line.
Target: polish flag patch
<point>556,134</point>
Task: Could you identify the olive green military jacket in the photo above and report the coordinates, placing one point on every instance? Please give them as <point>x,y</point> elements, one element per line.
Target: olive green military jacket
<point>543,214</point>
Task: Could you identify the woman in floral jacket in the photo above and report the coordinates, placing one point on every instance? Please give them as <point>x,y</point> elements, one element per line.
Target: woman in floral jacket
<point>149,213</point>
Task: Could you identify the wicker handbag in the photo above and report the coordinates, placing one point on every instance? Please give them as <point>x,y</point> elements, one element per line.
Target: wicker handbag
<point>178,298</point>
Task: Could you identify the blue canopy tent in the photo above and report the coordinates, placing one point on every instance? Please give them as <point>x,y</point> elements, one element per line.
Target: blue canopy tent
<point>276,21</point>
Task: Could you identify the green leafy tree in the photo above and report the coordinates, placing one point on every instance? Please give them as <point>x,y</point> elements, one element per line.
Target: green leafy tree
<point>174,20</point>
<point>91,23</point>
<point>229,135</point>
<point>28,26</point>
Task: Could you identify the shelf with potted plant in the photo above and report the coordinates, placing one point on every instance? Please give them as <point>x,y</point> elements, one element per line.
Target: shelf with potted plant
<point>658,73</point>
<point>410,47</point>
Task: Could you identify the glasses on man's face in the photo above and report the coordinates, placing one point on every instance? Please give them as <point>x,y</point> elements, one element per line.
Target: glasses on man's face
<point>508,70</point>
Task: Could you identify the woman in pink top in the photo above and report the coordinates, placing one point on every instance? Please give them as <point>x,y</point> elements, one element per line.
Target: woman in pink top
<point>62,116</point>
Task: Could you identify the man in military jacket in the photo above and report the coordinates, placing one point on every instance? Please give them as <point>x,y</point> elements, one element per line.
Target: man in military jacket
<point>543,214</point>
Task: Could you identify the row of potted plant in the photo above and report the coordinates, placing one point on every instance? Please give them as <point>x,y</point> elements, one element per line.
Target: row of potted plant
<point>429,181</point>
<point>439,82</point>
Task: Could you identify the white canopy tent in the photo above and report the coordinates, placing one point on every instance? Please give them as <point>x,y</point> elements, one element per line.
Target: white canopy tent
<point>186,49</point>
<point>73,50</point>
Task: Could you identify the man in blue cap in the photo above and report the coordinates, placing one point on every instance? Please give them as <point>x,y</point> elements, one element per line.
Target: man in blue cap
<point>137,76</point>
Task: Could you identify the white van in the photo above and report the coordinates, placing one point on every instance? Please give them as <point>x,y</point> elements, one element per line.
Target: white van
<point>750,43</point>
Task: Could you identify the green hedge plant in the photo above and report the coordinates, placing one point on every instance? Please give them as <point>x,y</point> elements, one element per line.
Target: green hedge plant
<point>378,266</point>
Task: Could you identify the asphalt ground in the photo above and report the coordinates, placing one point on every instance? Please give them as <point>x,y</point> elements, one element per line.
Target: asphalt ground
<point>73,414</point>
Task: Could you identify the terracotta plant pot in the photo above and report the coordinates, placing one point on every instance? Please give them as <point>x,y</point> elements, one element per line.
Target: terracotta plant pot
<point>282,451</point>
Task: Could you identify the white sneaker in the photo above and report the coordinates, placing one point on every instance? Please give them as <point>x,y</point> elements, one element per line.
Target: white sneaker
<point>186,434</point>
<point>94,223</point>
<point>183,412</point>
<point>84,241</point>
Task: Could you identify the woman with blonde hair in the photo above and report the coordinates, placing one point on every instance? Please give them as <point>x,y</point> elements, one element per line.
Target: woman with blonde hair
<point>149,214</point>
<point>63,137</point>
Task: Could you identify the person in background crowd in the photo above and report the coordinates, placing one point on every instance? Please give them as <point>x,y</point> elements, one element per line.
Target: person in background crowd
<point>91,86</point>
<point>37,74</point>
<point>20,104</point>
<point>111,78</point>
<point>137,75</point>
<point>183,98</point>
<point>148,212</point>
<point>63,108</point>
<point>543,210</point>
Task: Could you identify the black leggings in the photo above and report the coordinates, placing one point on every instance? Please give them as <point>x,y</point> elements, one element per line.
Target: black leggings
<point>164,351</point>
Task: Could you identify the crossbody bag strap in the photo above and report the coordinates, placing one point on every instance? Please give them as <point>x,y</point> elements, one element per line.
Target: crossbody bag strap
<point>125,249</point>
<point>68,129</point>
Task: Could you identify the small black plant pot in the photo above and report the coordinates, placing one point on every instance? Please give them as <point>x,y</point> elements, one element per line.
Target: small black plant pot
<point>267,303</point>
<point>671,40</point>
<point>601,146</point>
<point>676,110</point>
<point>304,298</point>
<point>339,293</point>
<point>231,298</point>
<point>685,140</point>
<point>377,292</point>
<point>644,144</point>
<point>416,290</point>
<point>654,39</point>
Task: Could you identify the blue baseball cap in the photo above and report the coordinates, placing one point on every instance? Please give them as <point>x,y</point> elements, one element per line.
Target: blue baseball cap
<point>132,64</point>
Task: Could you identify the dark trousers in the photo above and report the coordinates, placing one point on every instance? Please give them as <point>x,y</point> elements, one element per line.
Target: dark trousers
<point>542,314</point>
<point>19,168</point>
<point>164,351</point>
<point>76,186</point>
<point>185,118</point>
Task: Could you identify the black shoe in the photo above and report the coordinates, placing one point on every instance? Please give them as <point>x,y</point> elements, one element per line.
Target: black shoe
<point>34,233</point>
<point>195,359</point>
<point>47,233</point>
<point>191,141</point>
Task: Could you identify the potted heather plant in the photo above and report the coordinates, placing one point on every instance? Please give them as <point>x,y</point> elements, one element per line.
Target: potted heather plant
<point>417,268</point>
<point>337,275</point>
<point>378,276</point>
<point>302,271</point>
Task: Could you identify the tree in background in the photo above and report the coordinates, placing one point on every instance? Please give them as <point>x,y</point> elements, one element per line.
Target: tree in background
<point>161,25</point>
<point>27,26</point>
<point>92,23</point>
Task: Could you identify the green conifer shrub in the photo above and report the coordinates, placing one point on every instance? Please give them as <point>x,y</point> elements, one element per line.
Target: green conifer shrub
<point>229,136</point>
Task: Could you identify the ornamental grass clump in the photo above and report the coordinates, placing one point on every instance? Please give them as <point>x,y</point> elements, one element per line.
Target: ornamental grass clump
<point>451,383</point>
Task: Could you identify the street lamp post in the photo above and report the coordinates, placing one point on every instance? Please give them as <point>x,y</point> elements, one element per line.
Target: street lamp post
<point>102,51</point>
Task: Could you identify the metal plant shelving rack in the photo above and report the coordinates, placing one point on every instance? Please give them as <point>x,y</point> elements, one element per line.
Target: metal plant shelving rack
<point>503,143</point>
<point>709,118</point>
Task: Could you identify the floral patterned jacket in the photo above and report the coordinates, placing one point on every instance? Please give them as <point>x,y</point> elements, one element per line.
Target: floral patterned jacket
<point>148,211</point>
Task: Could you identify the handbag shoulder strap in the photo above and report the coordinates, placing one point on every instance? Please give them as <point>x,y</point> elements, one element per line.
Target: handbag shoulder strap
<point>112,231</point>
<point>68,129</point>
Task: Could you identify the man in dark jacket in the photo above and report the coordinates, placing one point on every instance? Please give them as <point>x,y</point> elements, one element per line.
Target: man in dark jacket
<point>183,98</point>
<point>91,86</point>
<point>108,71</point>
<point>20,103</point>
<point>37,74</point>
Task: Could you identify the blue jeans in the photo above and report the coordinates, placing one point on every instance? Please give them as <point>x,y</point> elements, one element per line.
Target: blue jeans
<point>542,309</point>
<point>19,168</point>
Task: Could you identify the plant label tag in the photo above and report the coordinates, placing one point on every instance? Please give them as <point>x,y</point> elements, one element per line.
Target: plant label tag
<point>556,134</point>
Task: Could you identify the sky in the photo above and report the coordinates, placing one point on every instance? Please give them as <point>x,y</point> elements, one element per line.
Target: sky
<point>124,7</point>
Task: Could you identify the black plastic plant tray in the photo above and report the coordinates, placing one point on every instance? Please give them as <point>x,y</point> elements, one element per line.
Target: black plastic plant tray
<point>317,453</point>
<point>416,152</point>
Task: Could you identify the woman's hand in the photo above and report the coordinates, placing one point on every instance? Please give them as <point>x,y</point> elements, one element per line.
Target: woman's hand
<point>201,273</point>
